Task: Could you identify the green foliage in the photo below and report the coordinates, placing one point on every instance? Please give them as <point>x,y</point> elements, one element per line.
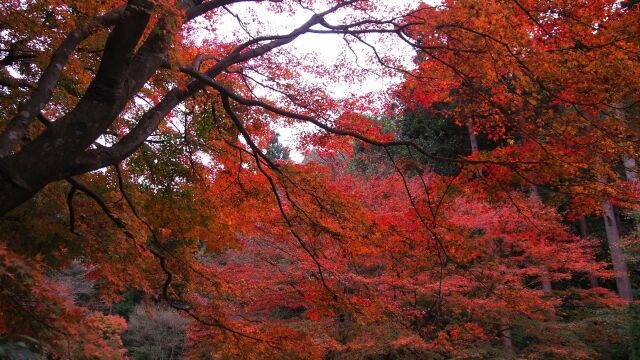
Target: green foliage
<point>634,331</point>
<point>288,312</point>
<point>438,135</point>
<point>162,164</point>
<point>130,300</point>
<point>276,150</point>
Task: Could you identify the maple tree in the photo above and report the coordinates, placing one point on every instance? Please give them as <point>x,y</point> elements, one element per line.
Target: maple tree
<point>145,159</point>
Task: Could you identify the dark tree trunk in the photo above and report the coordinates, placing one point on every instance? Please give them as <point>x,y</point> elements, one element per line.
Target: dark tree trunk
<point>584,233</point>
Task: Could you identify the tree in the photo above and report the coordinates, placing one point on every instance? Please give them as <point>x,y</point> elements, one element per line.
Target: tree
<point>135,151</point>
<point>438,134</point>
<point>120,86</point>
<point>277,151</point>
<point>565,111</point>
<point>155,333</point>
<point>97,60</point>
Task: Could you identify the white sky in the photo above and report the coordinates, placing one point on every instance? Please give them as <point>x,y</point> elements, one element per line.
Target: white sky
<point>324,49</point>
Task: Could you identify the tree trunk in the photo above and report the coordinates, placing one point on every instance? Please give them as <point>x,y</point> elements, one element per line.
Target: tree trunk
<point>584,232</point>
<point>546,281</point>
<point>505,336</point>
<point>623,283</point>
<point>630,169</point>
<point>631,172</point>
<point>472,138</point>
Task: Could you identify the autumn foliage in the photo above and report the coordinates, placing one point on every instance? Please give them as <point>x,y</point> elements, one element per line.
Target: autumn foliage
<point>484,210</point>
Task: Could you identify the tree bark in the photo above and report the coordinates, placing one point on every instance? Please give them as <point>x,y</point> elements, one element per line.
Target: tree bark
<point>505,336</point>
<point>472,138</point>
<point>630,169</point>
<point>623,282</point>
<point>546,281</point>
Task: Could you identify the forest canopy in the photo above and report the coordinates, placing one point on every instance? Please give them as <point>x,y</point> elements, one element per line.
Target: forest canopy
<point>484,204</point>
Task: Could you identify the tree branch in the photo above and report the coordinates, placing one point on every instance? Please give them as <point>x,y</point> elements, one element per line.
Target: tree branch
<point>17,126</point>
